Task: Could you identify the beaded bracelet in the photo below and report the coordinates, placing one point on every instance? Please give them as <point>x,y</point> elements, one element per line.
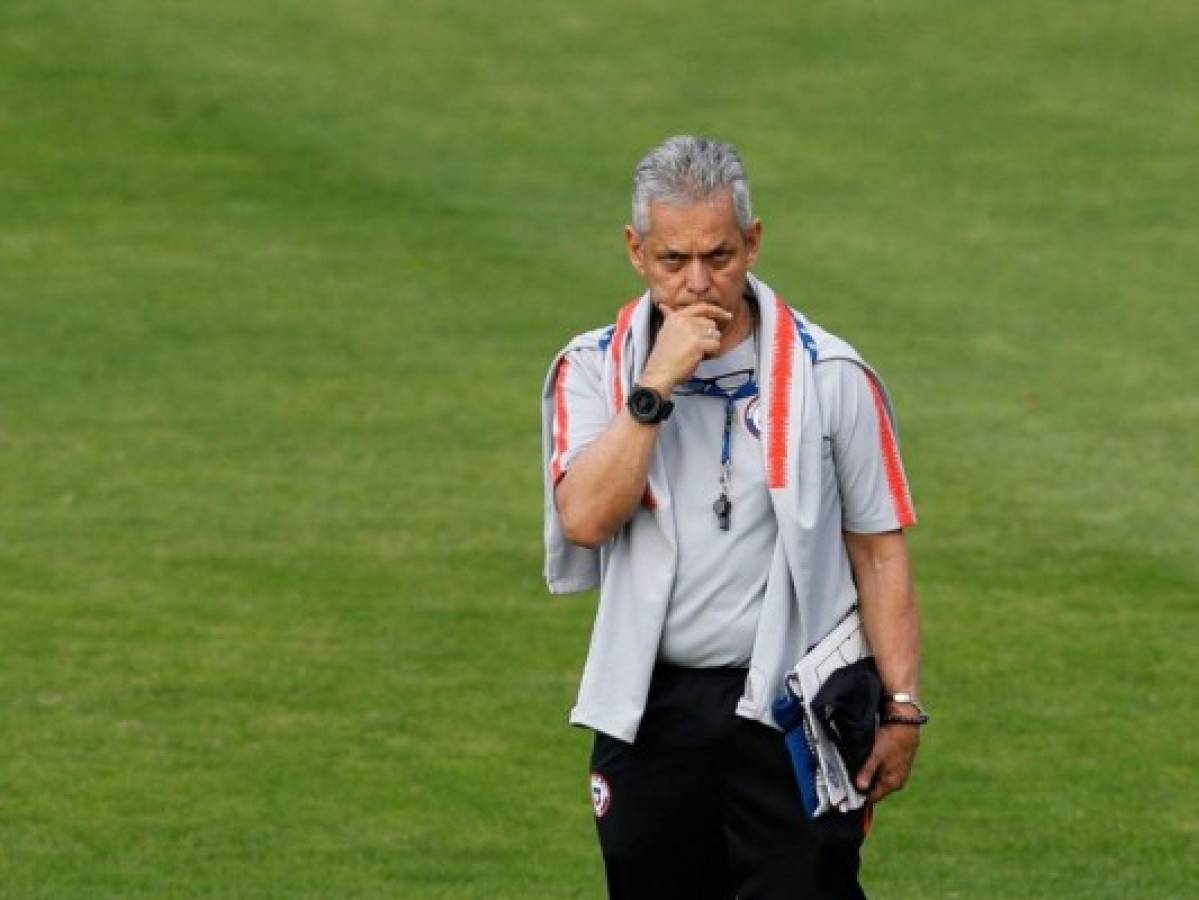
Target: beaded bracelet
<point>890,719</point>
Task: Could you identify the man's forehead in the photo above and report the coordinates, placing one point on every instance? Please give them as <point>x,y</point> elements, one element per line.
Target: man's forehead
<point>713,215</point>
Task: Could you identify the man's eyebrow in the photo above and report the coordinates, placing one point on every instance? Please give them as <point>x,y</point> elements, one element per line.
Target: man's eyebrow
<point>668,252</point>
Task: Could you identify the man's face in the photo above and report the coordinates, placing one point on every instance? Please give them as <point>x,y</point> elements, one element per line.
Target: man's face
<point>695,253</point>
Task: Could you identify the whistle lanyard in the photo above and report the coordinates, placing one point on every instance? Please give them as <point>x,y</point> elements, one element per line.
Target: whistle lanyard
<point>745,387</point>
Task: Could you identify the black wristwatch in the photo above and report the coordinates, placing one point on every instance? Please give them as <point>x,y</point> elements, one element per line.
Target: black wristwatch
<point>648,406</point>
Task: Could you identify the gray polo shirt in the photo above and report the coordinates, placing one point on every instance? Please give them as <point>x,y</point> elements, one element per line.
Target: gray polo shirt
<point>713,611</point>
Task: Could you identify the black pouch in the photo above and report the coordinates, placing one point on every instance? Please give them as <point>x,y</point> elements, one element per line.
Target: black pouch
<point>847,705</point>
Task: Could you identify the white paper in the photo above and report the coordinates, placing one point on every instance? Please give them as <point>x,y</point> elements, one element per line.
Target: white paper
<point>844,645</point>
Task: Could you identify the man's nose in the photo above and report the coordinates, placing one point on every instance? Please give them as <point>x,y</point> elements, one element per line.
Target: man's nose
<point>698,281</point>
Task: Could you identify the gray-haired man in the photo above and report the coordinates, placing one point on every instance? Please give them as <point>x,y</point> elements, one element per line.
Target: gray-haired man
<point>728,474</point>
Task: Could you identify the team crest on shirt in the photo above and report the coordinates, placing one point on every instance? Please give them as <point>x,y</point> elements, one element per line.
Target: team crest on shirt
<point>753,412</point>
<point>601,794</point>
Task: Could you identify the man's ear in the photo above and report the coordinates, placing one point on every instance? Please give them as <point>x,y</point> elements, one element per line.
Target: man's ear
<point>753,241</point>
<point>636,249</point>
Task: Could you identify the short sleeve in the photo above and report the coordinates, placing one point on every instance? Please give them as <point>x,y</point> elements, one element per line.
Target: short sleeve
<point>580,411</point>
<point>875,496</point>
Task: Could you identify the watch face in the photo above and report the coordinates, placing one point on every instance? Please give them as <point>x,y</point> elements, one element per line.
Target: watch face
<point>645,403</point>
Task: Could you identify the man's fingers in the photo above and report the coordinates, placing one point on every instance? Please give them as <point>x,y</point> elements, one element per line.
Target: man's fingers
<point>888,783</point>
<point>705,310</point>
<point>876,779</point>
<point>866,774</point>
<point>702,327</point>
<point>890,763</point>
<point>883,774</point>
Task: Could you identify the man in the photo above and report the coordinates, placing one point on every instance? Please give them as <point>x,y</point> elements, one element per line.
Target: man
<point>728,474</point>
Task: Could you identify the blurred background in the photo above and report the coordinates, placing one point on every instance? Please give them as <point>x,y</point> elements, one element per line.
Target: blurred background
<point>279,283</point>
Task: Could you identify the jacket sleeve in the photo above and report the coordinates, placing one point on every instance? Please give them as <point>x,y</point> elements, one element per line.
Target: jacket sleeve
<point>580,410</point>
<point>875,496</point>
<point>572,415</point>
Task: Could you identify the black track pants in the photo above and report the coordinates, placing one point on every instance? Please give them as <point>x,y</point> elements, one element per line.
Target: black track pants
<point>704,804</point>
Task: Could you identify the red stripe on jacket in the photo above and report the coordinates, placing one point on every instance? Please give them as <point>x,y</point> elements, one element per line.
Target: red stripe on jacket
<point>624,321</point>
<point>561,420</point>
<point>897,481</point>
<point>779,413</point>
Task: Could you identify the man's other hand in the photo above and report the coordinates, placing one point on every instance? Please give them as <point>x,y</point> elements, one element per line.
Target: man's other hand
<point>890,763</point>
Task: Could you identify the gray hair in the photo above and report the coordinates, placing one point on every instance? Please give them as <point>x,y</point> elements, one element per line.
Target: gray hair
<point>688,169</point>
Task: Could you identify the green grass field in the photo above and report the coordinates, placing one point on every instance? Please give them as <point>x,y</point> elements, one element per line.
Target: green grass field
<point>278,285</point>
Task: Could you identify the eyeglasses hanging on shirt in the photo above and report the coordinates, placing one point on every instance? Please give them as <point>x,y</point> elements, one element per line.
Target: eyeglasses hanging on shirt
<point>730,387</point>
